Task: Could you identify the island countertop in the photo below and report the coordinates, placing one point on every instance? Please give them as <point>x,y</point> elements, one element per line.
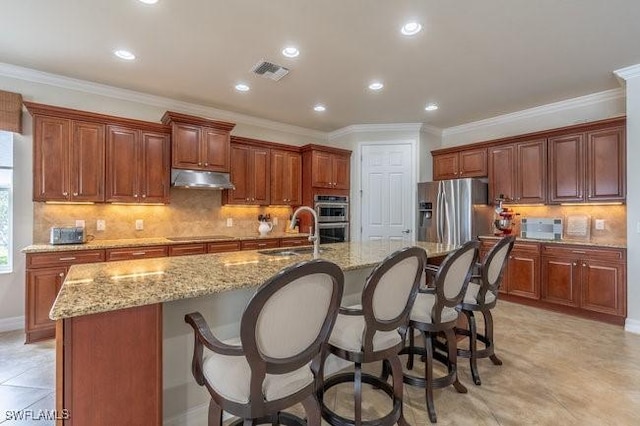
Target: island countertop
<point>102,287</point>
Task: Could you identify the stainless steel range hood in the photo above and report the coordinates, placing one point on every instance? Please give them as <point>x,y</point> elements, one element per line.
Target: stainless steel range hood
<point>200,179</point>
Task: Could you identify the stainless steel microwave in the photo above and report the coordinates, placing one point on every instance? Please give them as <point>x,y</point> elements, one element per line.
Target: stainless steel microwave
<point>67,235</point>
<point>332,208</point>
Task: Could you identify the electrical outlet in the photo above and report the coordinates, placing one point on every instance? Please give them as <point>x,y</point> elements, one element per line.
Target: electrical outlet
<point>139,224</point>
<point>79,223</point>
<point>229,222</point>
<point>275,221</point>
<point>600,224</point>
<point>101,225</point>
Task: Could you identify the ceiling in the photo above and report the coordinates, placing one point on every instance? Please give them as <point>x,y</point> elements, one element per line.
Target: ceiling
<point>475,59</point>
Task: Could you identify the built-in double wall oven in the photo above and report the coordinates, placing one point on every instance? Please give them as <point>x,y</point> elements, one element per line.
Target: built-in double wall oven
<point>333,215</point>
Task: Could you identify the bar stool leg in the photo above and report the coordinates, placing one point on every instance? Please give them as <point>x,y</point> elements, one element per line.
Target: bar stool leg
<point>428,376</point>
<point>312,409</point>
<point>215,414</point>
<point>488,325</point>
<point>473,346</point>
<point>357,393</point>
<point>398,386</point>
<point>411,343</point>
<point>453,359</point>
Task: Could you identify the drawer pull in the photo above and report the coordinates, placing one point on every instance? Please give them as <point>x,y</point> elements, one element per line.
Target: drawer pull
<point>138,253</point>
<point>578,251</point>
<point>67,258</point>
<point>262,244</point>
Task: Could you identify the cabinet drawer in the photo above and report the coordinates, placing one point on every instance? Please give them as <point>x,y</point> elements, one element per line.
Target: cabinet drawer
<point>187,249</point>
<point>260,244</point>
<point>581,252</point>
<point>294,242</point>
<point>222,247</point>
<point>529,248</point>
<point>136,253</point>
<point>64,258</point>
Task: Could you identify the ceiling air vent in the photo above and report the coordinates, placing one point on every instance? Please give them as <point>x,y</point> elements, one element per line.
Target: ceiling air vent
<point>269,70</point>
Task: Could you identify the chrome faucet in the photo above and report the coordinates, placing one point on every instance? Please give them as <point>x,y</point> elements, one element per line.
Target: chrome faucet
<point>313,238</point>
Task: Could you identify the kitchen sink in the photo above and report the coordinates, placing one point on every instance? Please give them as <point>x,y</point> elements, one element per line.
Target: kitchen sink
<point>291,251</point>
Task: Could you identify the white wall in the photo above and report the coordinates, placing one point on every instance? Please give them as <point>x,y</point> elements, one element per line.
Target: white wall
<point>633,203</point>
<point>12,285</point>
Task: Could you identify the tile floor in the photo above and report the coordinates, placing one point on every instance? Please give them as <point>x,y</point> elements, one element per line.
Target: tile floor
<point>558,370</point>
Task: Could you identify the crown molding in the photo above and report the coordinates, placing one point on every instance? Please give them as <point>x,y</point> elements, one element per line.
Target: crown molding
<point>35,76</point>
<point>555,107</point>
<point>426,128</point>
<point>628,72</point>
<point>362,128</point>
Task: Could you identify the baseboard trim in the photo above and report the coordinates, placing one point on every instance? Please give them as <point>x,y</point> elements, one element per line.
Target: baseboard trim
<point>632,326</point>
<point>195,416</point>
<point>12,323</point>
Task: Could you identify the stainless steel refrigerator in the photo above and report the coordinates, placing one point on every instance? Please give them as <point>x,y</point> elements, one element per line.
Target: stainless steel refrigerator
<point>453,211</point>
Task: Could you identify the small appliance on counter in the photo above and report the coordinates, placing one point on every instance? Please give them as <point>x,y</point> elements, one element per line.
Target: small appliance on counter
<point>541,228</point>
<point>265,225</point>
<point>67,235</point>
<point>504,220</point>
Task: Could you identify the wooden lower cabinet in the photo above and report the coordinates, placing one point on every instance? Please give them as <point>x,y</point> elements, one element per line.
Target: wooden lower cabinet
<point>113,376</point>
<point>132,253</point>
<point>260,244</point>
<point>223,246</point>
<point>44,277</point>
<point>187,249</point>
<point>593,279</point>
<point>589,281</point>
<point>295,242</point>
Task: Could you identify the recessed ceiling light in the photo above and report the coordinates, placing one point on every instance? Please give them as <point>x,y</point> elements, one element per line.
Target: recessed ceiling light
<point>431,107</point>
<point>319,108</point>
<point>124,54</point>
<point>290,52</point>
<point>241,87</point>
<point>376,85</point>
<point>149,1</point>
<point>411,28</point>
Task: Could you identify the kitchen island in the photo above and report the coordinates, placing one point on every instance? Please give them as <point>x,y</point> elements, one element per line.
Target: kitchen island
<point>123,351</point>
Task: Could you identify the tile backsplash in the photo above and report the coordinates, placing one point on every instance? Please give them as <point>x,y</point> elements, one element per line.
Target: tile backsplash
<point>614,216</point>
<point>191,213</point>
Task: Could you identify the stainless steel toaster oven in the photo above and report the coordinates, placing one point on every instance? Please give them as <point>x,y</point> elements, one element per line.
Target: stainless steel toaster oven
<point>67,235</point>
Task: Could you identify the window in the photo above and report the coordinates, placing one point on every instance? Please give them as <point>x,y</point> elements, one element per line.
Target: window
<point>6,198</point>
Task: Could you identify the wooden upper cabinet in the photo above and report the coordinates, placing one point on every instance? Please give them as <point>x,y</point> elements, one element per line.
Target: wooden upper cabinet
<point>566,168</point>
<point>199,143</point>
<point>501,172</point>
<point>286,177</point>
<point>588,167</point>
<point>137,166</point>
<point>518,172</point>
<point>330,168</point>
<point>531,171</point>
<point>461,164</point>
<point>68,160</point>
<point>250,174</point>
<point>606,165</point>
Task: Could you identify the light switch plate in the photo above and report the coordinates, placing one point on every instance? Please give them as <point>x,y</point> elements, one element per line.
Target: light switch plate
<point>139,224</point>
<point>600,224</point>
<point>101,225</point>
<point>275,221</point>
<point>229,222</point>
<point>80,223</point>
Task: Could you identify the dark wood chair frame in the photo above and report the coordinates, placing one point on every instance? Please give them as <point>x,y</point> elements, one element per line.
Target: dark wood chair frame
<point>367,353</point>
<point>430,332</point>
<point>484,308</point>
<point>258,410</point>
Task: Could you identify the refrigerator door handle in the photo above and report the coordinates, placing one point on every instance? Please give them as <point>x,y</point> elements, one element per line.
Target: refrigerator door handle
<point>439,214</point>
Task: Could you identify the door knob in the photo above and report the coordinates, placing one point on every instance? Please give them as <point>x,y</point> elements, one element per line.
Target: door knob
<point>406,231</point>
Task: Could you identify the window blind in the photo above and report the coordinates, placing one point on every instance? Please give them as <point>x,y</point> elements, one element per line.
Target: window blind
<point>10,112</point>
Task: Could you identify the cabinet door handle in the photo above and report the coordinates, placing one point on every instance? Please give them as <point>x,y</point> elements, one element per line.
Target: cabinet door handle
<point>575,263</point>
<point>584,264</point>
<point>65,193</point>
<point>144,195</point>
<point>246,199</point>
<point>135,195</point>
<point>199,164</point>
<point>61,274</point>
<point>206,164</point>
<point>62,259</point>
<point>75,194</point>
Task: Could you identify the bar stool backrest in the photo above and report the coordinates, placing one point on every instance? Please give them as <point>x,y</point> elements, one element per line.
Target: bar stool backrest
<point>390,291</point>
<point>493,267</point>
<point>290,317</point>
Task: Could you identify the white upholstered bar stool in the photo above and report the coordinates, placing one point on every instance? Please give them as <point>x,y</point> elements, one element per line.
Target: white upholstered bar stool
<point>374,331</point>
<point>282,332</point>
<point>434,313</point>
<point>481,296</point>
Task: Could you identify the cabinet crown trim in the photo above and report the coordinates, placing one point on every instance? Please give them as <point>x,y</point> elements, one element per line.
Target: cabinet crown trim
<point>324,148</point>
<point>74,114</point>
<point>264,144</point>
<point>171,117</point>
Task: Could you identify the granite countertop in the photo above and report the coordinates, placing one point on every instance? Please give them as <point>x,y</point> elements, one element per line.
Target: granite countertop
<point>611,244</point>
<point>149,242</point>
<point>102,287</point>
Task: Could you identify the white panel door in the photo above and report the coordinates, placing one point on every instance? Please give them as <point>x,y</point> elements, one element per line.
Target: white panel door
<point>387,189</point>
